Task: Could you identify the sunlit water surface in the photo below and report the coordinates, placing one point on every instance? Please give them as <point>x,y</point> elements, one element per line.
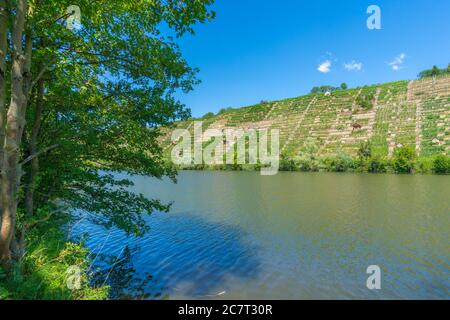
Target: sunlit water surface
<point>238,235</point>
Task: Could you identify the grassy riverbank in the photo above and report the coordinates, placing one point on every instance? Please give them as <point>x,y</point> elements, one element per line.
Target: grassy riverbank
<point>44,273</point>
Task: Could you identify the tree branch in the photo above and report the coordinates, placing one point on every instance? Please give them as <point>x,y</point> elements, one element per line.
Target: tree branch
<point>37,154</point>
<point>47,218</point>
<point>39,76</point>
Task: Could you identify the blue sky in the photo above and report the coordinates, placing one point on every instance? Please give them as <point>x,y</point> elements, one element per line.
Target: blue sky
<point>267,50</point>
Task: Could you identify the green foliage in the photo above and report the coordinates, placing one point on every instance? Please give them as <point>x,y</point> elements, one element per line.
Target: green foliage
<point>364,154</point>
<point>223,111</point>
<point>441,164</point>
<point>112,87</point>
<point>344,86</point>
<point>43,272</point>
<point>342,162</point>
<point>108,88</point>
<point>377,164</point>
<point>404,159</point>
<point>287,163</point>
<point>308,160</point>
<point>365,150</point>
<point>434,72</point>
<point>365,100</point>
<point>424,165</point>
<point>323,89</point>
<point>208,115</point>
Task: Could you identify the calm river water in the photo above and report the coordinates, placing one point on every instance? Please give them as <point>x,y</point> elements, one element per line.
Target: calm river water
<point>238,235</point>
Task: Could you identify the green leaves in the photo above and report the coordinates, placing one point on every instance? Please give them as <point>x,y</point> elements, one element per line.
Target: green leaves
<point>109,87</point>
<point>404,159</point>
<point>441,164</point>
<point>433,72</point>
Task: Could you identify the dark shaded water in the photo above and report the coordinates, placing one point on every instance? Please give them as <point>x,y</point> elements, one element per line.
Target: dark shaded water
<point>237,235</point>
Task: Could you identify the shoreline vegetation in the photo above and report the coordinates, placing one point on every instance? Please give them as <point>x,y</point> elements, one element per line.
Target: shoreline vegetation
<point>404,161</point>
<point>43,272</point>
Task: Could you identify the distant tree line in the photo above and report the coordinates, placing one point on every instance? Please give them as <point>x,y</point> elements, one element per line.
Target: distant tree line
<point>403,161</point>
<point>325,89</point>
<point>435,71</point>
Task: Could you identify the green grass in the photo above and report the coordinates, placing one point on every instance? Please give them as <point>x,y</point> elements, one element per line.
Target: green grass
<point>43,272</point>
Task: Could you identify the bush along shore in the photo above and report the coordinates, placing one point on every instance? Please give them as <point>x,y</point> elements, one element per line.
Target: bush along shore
<point>404,161</point>
<point>54,268</point>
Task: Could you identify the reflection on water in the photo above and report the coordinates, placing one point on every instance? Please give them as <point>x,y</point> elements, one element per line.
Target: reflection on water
<point>120,274</point>
<point>236,235</point>
<point>182,255</point>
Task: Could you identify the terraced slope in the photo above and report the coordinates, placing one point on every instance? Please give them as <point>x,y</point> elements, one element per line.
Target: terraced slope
<point>404,113</point>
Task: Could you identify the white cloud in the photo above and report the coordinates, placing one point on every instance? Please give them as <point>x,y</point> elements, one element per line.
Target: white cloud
<point>325,66</point>
<point>353,66</point>
<point>396,64</point>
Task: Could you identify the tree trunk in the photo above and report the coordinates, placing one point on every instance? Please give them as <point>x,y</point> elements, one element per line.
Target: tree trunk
<point>11,171</point>
<point>18,244</point>
<point>4,15</point>
<point>34,170</point>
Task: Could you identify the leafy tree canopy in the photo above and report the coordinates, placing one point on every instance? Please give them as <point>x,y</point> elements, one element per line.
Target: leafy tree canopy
<point>435,71</point>
<point>324,89</point>
<point>94,99</point>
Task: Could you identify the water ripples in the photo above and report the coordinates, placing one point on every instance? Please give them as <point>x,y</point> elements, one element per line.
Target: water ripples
<point>292,236</point>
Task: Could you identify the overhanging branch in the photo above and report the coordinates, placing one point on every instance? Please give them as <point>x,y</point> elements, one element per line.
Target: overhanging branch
<point>37,154</point>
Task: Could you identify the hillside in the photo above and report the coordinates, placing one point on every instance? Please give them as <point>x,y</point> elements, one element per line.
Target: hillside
<point>404,113</point>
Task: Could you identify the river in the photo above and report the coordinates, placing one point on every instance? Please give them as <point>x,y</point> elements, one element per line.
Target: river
<point>239,235</point>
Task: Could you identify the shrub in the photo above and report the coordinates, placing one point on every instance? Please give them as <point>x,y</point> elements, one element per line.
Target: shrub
<point>208,115</point>
<point>377,165</point>
<point>306,164</point>
<point>287,164</point>
<point>425,165</point>
<point>404,160</point>
<point>365,150</point>
<point>342,162</point>
<point>364,154</point>
<point>222,111</point>
<point>441,164</point>
<point>365,101</point>
<point>307,159</point>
